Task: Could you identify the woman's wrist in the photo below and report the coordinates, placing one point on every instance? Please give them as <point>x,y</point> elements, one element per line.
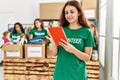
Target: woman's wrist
<point>75,51</point>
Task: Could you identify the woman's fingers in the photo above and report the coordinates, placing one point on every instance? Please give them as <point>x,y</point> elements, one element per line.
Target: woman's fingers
<point>62,44</point>
<point>47,37</point>
<point>64,41</point>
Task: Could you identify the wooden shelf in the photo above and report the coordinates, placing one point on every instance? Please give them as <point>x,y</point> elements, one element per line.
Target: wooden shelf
<point>40,69</point>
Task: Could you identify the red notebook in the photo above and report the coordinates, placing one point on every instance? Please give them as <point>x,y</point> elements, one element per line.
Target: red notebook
<point>57,34</point>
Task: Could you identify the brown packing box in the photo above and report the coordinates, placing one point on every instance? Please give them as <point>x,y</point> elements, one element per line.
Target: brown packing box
<point>34,50</point>
<point>50,11</point>
<point>13,51</point>
<point>88,4</point>
<point>49,53</point>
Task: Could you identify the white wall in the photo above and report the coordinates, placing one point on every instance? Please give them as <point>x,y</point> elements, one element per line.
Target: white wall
<point>23,10</point>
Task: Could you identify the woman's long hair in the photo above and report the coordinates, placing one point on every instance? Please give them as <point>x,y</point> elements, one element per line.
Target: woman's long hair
<point>95,33</point>
<point>40,22</point>
<point>82,20</point>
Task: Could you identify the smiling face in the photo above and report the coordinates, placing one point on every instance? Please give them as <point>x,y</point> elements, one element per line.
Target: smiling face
<point>71,14</point>
<point>37,24</point>
<point>17,28</point>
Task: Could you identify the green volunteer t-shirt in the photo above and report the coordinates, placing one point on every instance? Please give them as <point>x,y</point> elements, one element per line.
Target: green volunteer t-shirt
<point>15,37</point>
<point>37,33</point>
<point>68,66</point>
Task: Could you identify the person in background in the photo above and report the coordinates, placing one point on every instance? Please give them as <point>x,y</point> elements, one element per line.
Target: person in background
<point>38,30</point>
<point>72,55</point>
<point>29,29</point>
<point>95,35</point>
<point>6,37</point>
<point>17,31</point>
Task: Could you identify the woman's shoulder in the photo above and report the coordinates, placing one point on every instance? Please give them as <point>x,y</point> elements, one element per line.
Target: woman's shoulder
<point>65,27</point>
<point>86,29</point>
<point>15,34</point>
<point>44,30</point>
<point>33,29</point>
<point>12,33</point>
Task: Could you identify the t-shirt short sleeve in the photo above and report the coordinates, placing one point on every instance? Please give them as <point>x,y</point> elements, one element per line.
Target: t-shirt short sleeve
<point>89,42</point>
<point>46,33</point>
<point>10,35</point>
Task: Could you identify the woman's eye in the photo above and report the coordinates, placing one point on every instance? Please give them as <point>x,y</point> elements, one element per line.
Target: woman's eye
<point>72,12</point>
<point>66,12</point>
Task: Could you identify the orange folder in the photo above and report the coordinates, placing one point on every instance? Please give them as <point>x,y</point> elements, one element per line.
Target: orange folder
<point>57,34</point>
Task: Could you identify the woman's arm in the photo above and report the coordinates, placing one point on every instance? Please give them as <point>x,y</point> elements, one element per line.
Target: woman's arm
<point>86,55</point>
<point>81,55</point>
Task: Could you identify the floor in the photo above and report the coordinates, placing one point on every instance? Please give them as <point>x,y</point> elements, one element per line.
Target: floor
<point>1,73</point>
<point>101,73</point>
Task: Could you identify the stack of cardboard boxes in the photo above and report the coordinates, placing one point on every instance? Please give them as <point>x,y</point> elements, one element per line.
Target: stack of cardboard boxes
<point>28,62</point>
<point>25,62</point>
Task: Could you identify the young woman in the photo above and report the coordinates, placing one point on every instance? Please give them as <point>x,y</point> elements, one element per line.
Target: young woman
<point>17,31</point>
<point>71,55</point>
<point>38,30</point>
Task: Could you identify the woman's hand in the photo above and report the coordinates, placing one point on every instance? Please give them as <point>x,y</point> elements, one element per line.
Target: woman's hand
<point>67,46</point>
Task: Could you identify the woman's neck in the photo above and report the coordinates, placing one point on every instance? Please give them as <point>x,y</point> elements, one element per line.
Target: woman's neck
<point>39,28</point>
<point>19,32</point>
<point>74,26</point>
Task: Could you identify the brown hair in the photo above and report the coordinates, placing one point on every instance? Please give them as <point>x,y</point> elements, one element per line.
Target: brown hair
<point>82,20</point>
<point>5,34</point>
<point>21,27</point>
<point>39,21</point>
<point>29,29</point>
<point>95,33</point>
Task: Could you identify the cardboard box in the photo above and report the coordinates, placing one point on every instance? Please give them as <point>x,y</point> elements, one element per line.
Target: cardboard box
<point>50,11</point>
<point>88,4</point>
<point>34,50</point>
<point>13,51</point>
<point>49,52</point>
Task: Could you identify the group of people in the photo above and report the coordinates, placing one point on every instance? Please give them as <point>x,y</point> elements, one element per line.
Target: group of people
<point>71,55</point>
<point>18,35</point>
